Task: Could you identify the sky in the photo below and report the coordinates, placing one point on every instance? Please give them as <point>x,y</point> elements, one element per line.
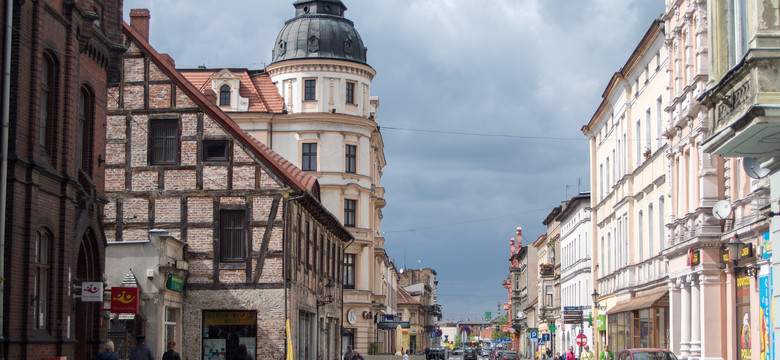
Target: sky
<point>481,103</point>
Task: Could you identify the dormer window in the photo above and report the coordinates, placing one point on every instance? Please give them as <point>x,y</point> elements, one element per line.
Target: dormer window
<point>224,95</point>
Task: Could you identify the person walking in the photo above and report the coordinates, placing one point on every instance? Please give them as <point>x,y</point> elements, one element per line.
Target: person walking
<point>108,352</point>
<point>570,354</point>
<point>171,353</point>
<point>587,354</point>
<point>406,355</point>
<point>348,355</point>
<point>356,355</point>
<point>606,354</point>
<point>141,351</point>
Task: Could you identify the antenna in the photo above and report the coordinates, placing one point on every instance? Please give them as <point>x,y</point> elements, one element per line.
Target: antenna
<point>753,169</point>
<point>721,210</point>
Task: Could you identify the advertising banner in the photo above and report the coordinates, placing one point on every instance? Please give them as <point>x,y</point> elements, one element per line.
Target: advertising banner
<point>92,291</point>
<point>124,300</point>
<point>767,336</point>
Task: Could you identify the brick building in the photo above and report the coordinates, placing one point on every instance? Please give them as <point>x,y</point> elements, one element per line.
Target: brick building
<point>61,55</point>
<point>262,250</point>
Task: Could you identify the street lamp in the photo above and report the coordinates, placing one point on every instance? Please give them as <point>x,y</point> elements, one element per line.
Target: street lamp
<point>328,292</point>
<point>595,296</point>
<point>736,247</point>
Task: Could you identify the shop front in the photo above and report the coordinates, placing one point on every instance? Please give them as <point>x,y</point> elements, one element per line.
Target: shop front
<point>641,322</point>
<point>225,330</point>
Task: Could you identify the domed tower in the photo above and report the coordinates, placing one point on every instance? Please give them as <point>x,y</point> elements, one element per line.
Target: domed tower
<point>319,62</point>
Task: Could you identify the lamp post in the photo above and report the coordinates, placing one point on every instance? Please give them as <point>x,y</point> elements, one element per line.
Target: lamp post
<point>595,296</point>
<point>328,298</point>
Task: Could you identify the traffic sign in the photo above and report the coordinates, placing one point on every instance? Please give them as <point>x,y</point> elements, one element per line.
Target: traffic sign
<point>546,337</point>
<point>534,334</point>
<point>582,340</point>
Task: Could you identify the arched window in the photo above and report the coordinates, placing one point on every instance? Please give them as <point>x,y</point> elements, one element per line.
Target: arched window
<point>224,95</point>
<point>84,130</point>
<point>48,97</point>
<point>41,269</point>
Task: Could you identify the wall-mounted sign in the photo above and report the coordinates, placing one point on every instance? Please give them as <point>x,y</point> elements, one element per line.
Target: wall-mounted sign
<point>766,245</point>
<point>124,300</point>
<point>694,257</point>
<point>92,291</point>
<point>175,283</point>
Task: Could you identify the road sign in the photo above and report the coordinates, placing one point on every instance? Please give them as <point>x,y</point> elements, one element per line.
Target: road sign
<point>546,337</point>
<point>570,308</point>
<point>488,315</point>
<point>582,340</point>
<point>512,336</point>
<point>534,335</point>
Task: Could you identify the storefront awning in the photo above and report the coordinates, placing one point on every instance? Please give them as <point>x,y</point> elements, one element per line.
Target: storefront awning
<point>642,302</point>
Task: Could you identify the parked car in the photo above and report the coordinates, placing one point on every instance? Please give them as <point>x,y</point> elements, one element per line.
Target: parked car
<point>646,354</point>
<point>485,352</point>
<point>509,355</point>
<point>496,354</point>
<point>457,351</point>
<point>470,354</point>
<point>438,353</point>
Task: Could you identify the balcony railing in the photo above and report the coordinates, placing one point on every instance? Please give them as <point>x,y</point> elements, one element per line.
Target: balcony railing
<point>647,271</point>
<point>547,270</point>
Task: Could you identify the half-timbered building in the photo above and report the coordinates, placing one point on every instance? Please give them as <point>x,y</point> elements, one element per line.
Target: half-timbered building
<point>263,254</point>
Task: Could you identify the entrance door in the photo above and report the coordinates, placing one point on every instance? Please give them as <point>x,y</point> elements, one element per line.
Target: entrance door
<point>87,319</point>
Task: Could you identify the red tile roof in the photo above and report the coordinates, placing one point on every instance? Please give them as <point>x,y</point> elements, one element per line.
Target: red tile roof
<point>255,85</point>
<point>292,175</point>
<point>405,298</point>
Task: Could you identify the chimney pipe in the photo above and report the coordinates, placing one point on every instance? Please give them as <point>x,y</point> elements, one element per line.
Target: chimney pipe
<point>139,21</point>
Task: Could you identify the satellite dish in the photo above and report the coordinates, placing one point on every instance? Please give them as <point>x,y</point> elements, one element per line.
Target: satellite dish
<point>754,169</point>
<point>721,210</point>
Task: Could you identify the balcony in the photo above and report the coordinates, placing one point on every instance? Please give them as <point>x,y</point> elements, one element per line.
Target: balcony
<point>648,271</point>
<point>547,270</point>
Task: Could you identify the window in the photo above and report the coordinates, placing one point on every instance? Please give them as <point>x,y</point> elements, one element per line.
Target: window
<point>737,30</point>
<point>548,302</point>
<point>231,236</point>
<point>349,212</point>
<point>307,231</point>
<point>647,130</point>
<point>659,119</point>
<point>350,92</point>
<point>349,271</point>
<point>638,142</point>
<point>661,226</point>
<point>350,161</point>
<point>41,279</point>
<point>310,89</point>
<point>48,89</point>
<point>650,230</point>
<point>84,131</point>
<point>309,157</point>
<point>164,142</point>
<point>224,95</point>
<point>640,235</point>
<point>215,150</point>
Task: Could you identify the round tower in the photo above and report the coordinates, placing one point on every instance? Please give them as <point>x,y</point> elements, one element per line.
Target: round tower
<point>319,62</point>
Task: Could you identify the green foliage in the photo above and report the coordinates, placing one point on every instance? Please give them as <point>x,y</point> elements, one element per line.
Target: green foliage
<point>500,323</point>
<point>373,348</point>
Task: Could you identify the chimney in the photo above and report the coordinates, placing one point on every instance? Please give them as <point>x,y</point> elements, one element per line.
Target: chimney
<point>519,238</point>
<point>139,21</point>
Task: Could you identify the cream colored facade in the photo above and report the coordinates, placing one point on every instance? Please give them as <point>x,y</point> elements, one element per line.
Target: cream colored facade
<point>629,200</point>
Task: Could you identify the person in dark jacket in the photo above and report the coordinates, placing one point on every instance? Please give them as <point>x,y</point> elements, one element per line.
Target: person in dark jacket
<point>108,352</point>
<point>241,353</point>
<point>141,351</point>
<point>171,353</point>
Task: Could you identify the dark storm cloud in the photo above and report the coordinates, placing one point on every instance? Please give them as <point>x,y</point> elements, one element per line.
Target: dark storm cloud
<point>533,68</point>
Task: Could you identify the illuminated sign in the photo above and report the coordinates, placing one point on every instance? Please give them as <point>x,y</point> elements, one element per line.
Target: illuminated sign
<point>124,300</point>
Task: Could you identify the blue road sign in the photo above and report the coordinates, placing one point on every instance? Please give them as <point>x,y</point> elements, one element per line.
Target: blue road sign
<point>534,335</point>
<point>573,308</point>
<point>541,342</point>
<point>545,337</point>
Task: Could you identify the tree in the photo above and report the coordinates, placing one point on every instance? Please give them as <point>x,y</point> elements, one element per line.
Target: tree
<point>497,326</point>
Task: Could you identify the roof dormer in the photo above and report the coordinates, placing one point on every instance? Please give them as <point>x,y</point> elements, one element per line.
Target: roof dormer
<point>226,85</point>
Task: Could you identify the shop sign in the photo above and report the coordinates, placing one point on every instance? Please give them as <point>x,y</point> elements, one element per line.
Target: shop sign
<point>124,300</point>
<point>766,245</point>
<point>725,257</point>
<point>694,257</point>
<point>601,323</point>
<point>744,323</point>
<point>413,331</point>
<point>765,332</point>
<point>92,291</point>
<point>229,318</point>
<point>175,283</point>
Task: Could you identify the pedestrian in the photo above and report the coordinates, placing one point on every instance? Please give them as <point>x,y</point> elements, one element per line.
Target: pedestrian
<point>587,354</point>
<point>141,351</point>
<point>357,355</point>
<point>606,354</point>
<point>406,355</point>
<point>570,354</point>
<point>558,356</point>
<point>241,353</point>
<point>108,352</point>
<point>171,353</point>
<point>427,354</point>
<point>348,354</point>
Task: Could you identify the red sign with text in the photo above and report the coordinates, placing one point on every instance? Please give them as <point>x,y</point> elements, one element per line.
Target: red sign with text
<point>124,300</point>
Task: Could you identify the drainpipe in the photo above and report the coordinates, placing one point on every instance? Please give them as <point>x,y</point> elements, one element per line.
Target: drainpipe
<point>9,9</point>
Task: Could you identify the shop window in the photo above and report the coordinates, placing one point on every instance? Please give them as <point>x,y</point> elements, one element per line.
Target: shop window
<point>164,142</point>
<point>349,271</point>
<point>224,331</point>
<point>171,319</point>
<point>41,280</point>
<point>232,237</point>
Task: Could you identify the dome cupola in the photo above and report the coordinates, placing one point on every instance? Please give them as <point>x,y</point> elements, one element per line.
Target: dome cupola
<point>319,30</point>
